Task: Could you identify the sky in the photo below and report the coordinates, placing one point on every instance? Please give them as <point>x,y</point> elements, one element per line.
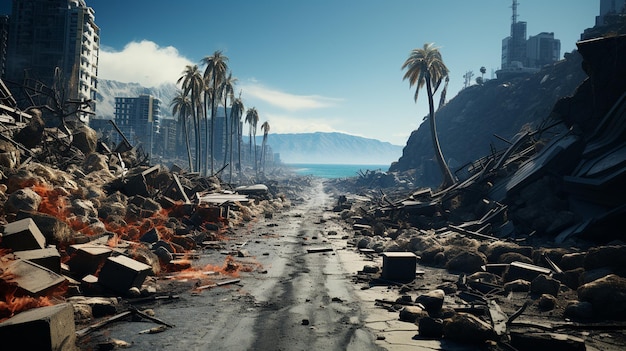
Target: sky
<point>323,65</point>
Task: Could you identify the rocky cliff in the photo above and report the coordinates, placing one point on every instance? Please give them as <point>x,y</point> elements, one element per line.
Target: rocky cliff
<point>482,118</point>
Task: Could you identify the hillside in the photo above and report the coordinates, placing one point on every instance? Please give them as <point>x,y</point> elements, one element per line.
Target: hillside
<point>479,118</point>
<point>332,148</point>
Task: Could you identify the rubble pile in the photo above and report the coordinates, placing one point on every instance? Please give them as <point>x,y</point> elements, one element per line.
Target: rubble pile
<point>535,226</point>
<point>83,225</point>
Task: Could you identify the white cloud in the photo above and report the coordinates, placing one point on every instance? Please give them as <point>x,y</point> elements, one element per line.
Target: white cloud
<point>142,62</point>
<point>286,101</point>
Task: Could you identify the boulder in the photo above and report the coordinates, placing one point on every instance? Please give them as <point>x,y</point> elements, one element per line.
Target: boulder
<point>467,328</point>
<point>607,295</point>
<point>22,200</point>
<point>467,261</point>
<point>412,314</point>
<point>430,327</point>
<point>432,300</point>
<point>544,284</point>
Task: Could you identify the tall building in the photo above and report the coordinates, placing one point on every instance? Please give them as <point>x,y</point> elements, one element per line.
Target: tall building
<point>53,44</point>
<point>609,7</point>
<point>523,56</point>
<point>542,49</point>
<point>138,119</point>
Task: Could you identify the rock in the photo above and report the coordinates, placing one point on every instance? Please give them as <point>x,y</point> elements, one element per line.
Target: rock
<point>545,285</point>
<point>570,278</point>
<point>55,230</point>
<point>432,300</point>
<point>467,261</point>
<point>594,274</point>
<point>606,256</point>
<point>519,285</point>
<point>430,327</point>
<point>572,261</point>
<point>95,162</point>
<point>22,200</point>
<point>31,135</point>
<point>84,138</point>
<point>370,269</point>
<point>546,302</point>
<point>579,310</point>
<point>607,295</point>
<point>467,328</point>
<point>494,250</point>
<point>412,314</point>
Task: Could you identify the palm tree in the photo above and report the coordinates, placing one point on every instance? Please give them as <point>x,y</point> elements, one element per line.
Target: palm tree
<point>214,74</point>
<point>252,118</point>
<point>192,84</point>
<point>181,105</point>
<point>265,127</point>
<point>483,70</point>
<point>425,67</point>
<point>227,89</point>
<point>236,111</point>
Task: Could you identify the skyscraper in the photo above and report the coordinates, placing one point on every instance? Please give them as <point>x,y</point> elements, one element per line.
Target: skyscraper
<point>138,118</point>
<point>52,54</point>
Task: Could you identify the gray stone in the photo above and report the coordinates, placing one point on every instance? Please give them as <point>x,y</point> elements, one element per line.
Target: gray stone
<point>572,261</point>
<point>432,300</point>
<point>607,295</point>
<point>465,327</point>
<point>412,314</point>
<point>467,261</point>
<point>546,302</point>
<point>579,310</point>
<point>544,284</point>
<point>22,200</point>
<point>430,327</point>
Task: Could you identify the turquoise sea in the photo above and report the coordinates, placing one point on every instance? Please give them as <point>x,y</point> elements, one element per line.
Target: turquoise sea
<point>334,170</point>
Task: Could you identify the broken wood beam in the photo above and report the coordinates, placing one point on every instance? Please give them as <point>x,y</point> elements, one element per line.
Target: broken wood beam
<point>82,332</point>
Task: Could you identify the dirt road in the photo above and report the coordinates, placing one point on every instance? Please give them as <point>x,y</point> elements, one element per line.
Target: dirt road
<point>297,294</point>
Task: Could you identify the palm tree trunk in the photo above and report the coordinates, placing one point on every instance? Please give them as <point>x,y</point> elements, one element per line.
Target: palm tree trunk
<point>186,132</point>
<point>448,179</point>
<point>226,135</point>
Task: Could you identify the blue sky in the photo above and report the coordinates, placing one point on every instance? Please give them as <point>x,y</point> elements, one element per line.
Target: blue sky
<point>323,65</point>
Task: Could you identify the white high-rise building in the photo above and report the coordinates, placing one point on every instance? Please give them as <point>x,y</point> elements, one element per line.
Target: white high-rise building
<point>53,46</point>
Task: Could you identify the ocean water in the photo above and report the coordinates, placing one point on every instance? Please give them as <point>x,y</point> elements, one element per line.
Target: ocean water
<point>331,171</point>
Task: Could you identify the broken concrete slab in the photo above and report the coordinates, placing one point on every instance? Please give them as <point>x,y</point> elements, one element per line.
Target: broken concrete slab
<point>44,328</point>
<point>33,279</point>
<point>48,257</point>
<point>120,273</point>
<point>22,235</point>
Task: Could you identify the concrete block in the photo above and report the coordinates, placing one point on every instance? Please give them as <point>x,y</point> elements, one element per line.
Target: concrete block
<point>30,277</point>
<point>121,273</point>
<point>44,328</point>
<point>88,258</point>
<point>399,266</point>
<point>22,235</point>
<point>48,257</point>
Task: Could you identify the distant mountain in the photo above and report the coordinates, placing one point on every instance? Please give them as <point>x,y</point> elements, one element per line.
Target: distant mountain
<point>108,90</point>
<point>332,148</point>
